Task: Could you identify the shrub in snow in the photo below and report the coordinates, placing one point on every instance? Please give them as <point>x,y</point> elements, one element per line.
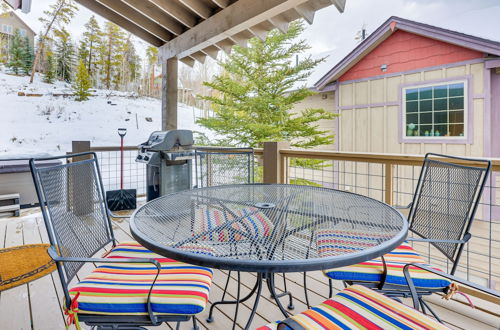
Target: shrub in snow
<point>82,83</point>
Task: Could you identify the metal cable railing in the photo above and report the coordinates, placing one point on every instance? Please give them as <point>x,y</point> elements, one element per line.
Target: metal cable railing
<point>479,263</point>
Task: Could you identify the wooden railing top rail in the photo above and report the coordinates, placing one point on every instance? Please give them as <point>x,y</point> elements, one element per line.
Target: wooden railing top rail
<point>368,157</point>
<point>113,148</point>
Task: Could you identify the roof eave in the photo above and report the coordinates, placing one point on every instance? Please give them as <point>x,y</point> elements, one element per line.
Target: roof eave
<point>387,28</point>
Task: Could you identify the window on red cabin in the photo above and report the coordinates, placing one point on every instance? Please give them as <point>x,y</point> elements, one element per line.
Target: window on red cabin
<point>438,110</point>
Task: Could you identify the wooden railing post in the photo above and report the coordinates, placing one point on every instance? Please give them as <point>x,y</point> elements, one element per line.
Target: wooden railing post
<point>388,183</point>
<point>80,199</point>
<point>273,162</point>
<point>80,146</point>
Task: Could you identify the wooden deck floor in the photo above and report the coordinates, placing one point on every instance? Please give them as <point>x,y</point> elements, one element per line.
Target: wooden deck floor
<point>37,305</point>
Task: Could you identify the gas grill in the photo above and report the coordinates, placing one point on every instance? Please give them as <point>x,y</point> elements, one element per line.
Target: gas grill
<point>168,157</point>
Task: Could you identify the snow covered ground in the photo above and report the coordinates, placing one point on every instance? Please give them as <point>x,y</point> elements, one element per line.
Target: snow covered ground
<point>32,125</point>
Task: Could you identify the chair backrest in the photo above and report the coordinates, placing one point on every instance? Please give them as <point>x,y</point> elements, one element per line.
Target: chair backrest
<point>72,200</point>
<point>446,199</point>
<point>223,166</point>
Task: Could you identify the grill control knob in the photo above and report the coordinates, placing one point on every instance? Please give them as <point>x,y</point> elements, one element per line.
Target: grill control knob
<point>146,158</point>
<point>139,157</point>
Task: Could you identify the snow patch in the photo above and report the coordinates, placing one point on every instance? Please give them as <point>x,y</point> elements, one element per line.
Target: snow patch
<point>48,124</point>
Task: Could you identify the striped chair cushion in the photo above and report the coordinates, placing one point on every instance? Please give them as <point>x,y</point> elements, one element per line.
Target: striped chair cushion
<point>253,223</point>
<point>119,288</point>
<point>358,307</point>
<point>372,270</point>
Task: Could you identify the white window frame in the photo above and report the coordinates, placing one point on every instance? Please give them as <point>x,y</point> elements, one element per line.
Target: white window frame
<point>441,137</point>
<point>23,32</point>
<point>7,29</point>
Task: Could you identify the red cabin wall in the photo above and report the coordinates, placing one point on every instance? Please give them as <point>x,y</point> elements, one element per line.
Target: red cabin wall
<point>404,51</point>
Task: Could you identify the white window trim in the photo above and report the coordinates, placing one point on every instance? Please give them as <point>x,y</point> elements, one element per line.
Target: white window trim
<point>6,28</point>
<point>430,138</point>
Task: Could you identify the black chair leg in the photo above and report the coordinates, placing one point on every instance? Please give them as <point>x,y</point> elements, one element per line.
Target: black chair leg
<point>426,306</point>
<point>195,323</point>
<point>306,292</point>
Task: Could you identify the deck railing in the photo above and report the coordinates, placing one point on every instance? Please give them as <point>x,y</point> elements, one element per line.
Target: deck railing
<point>387,177</point>
<point>392,178</point>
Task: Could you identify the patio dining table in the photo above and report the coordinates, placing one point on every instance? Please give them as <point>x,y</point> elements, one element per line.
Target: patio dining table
<point>268,229</point>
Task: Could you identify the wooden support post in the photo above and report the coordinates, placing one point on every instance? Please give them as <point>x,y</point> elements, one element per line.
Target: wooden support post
<point>80,196</point>
<point>80,146</point>
<point>273,162</point>
<point>388,183</point>
<point>169,94</point>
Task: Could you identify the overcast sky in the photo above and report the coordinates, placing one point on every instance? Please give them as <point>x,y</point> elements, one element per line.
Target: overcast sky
<point>333,33</point>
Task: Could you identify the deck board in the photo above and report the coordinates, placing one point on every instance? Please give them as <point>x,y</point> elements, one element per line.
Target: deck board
<point>43,297</point>
<point>14,305</point>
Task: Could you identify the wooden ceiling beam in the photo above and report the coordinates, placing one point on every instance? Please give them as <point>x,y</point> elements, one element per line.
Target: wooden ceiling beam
<point>340,4</point>
<point>162,18</point>
<point>199,56</point>
<point>235,18</point>
<point>122,22</point>
<point>189,61</point>
<point>261,30</point>
<point>198,7</point>
<point>137,18</point>
<point>306,12</point>
<point>226,45</point>
<point>222,3</point>
<point>212,51</point>
<point>177,11</point>
<point>241,38</point>
<point>280,22</point>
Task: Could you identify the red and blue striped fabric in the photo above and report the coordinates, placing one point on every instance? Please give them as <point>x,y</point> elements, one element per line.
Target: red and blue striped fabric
<point>358,307</point>
<point>122,288</point>
<point>253,223</point>
<point>329,241</point>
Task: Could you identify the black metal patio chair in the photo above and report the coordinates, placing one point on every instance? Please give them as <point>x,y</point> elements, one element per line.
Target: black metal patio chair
<point>131,286</point>
<point>348,308</point>
<point>222,166</point>
<point>446,198</point>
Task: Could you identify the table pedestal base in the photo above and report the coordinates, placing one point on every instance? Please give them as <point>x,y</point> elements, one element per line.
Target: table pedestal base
<point>257,289</point>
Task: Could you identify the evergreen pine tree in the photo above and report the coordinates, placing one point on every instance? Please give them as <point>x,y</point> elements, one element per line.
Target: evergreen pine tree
<point>258,90</point>
<point>16,52</point>
<point>130,66</point>
<point>82,82</point>
<point>111,54</point>
<point>58,14</point>
<point>65,55</point>
<point>152,59</point>
<point>50,71</point>
<point>90,45</point>
<point>28,55</point>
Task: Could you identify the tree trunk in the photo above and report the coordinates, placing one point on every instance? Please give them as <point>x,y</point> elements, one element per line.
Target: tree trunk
<point>42,41</point>
<point>90,58</point>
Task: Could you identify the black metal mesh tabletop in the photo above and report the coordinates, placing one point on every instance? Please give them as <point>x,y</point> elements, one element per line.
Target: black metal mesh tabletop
<point>268,228</point>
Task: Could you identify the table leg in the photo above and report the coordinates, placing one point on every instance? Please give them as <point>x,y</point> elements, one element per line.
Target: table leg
<point>256,302</point>
<point>270,286</point>
<point>237,301</point>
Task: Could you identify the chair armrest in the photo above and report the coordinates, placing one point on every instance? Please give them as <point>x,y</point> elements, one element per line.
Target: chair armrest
<point>430,240</point>
<point>113,215</point>
<point>54,255</point>
<point>413,290</point>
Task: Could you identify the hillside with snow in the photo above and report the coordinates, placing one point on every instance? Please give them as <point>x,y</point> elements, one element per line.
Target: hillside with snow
<point>47,124</point>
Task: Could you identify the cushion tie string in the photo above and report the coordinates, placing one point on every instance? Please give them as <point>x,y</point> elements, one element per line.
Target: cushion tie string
<point>72,313</point>
<point>454,288</point>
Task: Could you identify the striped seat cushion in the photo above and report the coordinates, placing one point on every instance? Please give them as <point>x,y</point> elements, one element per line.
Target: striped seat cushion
<point>358,307</point>
<point>253,224</point>
<point>372,270</point>
<point>122,289</point>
